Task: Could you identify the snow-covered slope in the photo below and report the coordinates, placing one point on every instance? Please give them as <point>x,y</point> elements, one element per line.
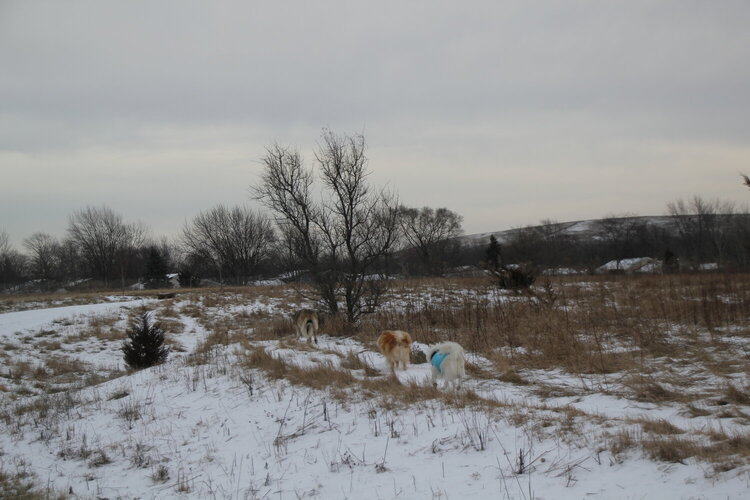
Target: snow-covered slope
<point>220,429</point>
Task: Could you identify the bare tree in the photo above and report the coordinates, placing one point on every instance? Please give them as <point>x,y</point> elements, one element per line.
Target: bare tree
<point>71,265</point>
<point>704,226</point>
<point>4,243</point>
<point>618,233</point>
<point>45,256</point>
<point>235,240</point>
<point>429,232</point>
<point>341,239</point>
<point>104,241</point>
<point>12,263</point>
<point>133,239</point>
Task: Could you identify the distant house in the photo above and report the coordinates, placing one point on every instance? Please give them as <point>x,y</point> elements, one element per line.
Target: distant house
<point>708,266</point>
<point>561,271</point>
<point>631,266</point>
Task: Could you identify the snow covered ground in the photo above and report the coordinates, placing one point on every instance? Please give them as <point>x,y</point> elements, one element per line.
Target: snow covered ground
<point>219,428</point>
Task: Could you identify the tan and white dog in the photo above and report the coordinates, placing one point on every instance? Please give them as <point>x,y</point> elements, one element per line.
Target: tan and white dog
<point>306,324</point>
<point>395,346</point>
<point>448,362</point>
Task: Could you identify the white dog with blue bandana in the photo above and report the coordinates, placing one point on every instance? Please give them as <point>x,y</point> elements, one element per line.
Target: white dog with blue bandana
<point>447,360</point>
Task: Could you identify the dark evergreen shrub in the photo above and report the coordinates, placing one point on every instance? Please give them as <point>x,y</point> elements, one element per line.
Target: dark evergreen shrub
<point>671,262</point>
<point>144,346</point>
<point>515,277</point>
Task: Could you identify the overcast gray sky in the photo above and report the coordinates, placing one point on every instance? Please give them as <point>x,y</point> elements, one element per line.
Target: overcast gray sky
<point>505,112</point>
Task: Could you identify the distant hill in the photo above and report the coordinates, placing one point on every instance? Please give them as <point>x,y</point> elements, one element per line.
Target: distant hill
<point>583,229</point>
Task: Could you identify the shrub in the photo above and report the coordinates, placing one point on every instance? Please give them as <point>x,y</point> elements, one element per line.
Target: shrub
<point>417,356</point>
<point>514,277</point>
<point>144,346</point>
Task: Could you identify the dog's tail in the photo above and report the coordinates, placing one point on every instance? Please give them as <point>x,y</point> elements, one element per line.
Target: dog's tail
<point>310,329</point>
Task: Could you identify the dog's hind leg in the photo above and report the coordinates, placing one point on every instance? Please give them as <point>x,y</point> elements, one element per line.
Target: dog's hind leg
<point>314,328</point>
<point>311,331</point>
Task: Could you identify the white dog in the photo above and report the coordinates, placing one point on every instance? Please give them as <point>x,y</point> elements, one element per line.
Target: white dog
<point>306,324</point>
<point>447,360</point>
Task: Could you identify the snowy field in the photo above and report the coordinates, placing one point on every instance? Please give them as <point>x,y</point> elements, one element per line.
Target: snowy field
<point>210,424</point>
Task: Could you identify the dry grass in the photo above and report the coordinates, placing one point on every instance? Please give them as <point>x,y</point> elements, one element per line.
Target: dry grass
<point>356,362</point>
<point>388,390</point>
<point>204,351</point>
<point>664,442</point>
<point>274,329</point>
<point>21,485</point>
<point>609,325</point>
<point>660,427</point>
<point>320,376</point>
<point>736,395</point>
<point>621,442</point>
<point>646,389</point>
<point>670,449</point>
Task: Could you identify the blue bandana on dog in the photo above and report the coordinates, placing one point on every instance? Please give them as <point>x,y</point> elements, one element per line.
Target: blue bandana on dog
<point>437,360</point>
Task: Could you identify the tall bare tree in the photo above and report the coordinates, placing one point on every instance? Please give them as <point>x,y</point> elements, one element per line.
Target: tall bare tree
<point>618,233</point>
<point>236,240</point>
<point>45,256</point>
<point>71,265</point>
<point>429,233</point>
<point>342,238</point>
<point>104,241</point>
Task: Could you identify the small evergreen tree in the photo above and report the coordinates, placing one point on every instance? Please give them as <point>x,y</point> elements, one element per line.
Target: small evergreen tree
<point>493,257</point>
<point>145,344</point>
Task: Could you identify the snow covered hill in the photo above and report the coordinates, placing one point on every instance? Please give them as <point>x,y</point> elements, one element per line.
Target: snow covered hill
<point>282,419</point>
<point>584,229</point>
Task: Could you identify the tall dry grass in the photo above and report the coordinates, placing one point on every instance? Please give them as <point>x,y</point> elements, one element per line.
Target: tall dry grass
<point>604,325</point>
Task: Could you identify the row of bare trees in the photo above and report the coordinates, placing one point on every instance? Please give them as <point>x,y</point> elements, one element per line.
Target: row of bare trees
<point>711,231</point>
<point>233,242</point>
<point>326,223</point>
<point>98,245</point>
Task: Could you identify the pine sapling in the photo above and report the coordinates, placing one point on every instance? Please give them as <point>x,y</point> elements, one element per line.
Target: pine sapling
<point>144,346</point>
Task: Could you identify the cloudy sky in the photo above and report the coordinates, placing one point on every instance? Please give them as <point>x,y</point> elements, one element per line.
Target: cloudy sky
<point>505,112</point>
